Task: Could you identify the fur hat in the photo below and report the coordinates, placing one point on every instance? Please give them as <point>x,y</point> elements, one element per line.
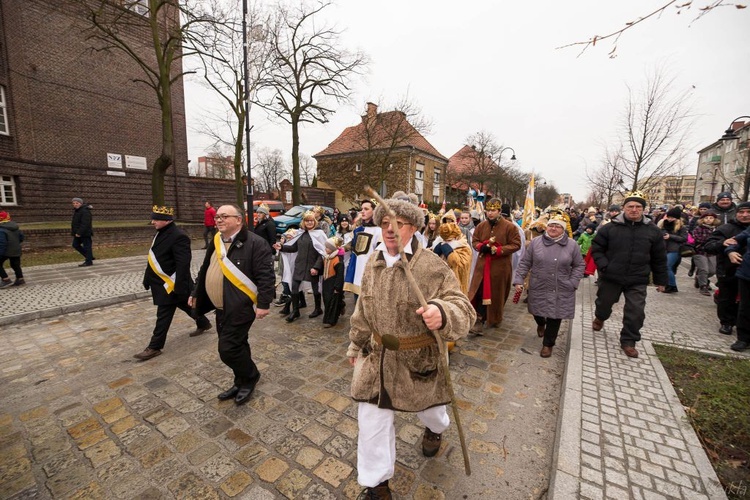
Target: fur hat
<point>4,216</point>
<point>403,209</point>
<point>413,198</point>
<point>636,196</point>
<point>400,195</point>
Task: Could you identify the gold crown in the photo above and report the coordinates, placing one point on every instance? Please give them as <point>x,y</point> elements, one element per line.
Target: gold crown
<point>558,217</point>
<point>431,216</point>
<point>318,209</point>
<point>263,205</point>
<point>163,210</point>
<point>493,205</point>
<point>308,214</point>
<point>636,194</point>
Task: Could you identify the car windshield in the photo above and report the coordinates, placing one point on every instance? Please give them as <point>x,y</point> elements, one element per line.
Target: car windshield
<point>296,212</point>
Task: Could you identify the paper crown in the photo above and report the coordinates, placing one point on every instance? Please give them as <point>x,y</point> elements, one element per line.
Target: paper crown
<point>494,204</point>
<point>162,213</point>
<point>308,214</point>
<point>637,196</point>
<point>263,208</point>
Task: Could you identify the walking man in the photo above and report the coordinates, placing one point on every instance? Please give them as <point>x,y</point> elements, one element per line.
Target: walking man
<point>82,230</point>
<point>237,280</point>
<point>626,252</point>
<point>209,224</point>
<point>168,276</point>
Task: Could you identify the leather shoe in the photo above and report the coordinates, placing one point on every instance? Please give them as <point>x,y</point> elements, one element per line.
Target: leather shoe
<point>229,393</point>
<point>200,329</point>
<point>726,329</point>
<point>629,351</point>
<point>243,394</point>
<point>147,354</point>
<point>546,351</point>
<point>540,330</point>
<point>86,264</point>
<point>430,443</point>
<point>740,346</point>
<point>597,324</point>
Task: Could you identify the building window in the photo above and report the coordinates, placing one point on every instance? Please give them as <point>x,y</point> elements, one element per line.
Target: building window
<point>137,6</point>
<point>8,190</point>
<point>419,174</point>
<point>436,199</point>
<point>437,176</point>
<point>4,129</point>
<point>357,167</point>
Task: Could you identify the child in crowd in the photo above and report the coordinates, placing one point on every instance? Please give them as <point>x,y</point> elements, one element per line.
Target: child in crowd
<point>333,281</point>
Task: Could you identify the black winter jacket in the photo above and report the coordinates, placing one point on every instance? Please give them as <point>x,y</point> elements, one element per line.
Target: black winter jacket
<point>10,239</point>
<point>252,255</point>
<point>715,246</point>
<point>724,215</point>
<point>172,251</point>
<point>81,224</point>
<point>266,229</point>
<point>627,252</point>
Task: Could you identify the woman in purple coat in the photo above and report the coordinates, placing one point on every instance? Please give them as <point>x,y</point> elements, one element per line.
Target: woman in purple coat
<point>556,267</point>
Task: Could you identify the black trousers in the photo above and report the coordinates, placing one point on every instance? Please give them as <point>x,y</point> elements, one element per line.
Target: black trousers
<point>15,264</point>
<point>234,351</point>
<point>208,235</point>
<point>164,315</point>
<point>726,303</point>
<point>551,329</point>
<point>743,314</point>
<point>83,245</point>
<point>634,313</point>
<point>314,281</point>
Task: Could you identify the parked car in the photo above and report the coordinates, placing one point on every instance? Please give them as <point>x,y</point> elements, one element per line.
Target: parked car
<point>275,208</point>
<point>293,217</point>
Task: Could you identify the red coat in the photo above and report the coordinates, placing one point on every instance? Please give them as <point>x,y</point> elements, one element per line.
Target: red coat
<point>208,217</point>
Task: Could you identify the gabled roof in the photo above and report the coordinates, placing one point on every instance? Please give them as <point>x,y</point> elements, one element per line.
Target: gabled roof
<point>387,131</point>
<point>464,163</point>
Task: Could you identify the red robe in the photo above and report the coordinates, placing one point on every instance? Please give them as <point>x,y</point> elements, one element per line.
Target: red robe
<point>501,272</point>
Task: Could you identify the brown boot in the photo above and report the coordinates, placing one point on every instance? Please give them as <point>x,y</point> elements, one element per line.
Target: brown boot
<point>379,492</point>
<point>477,329</point>
<point>147,354</point>
<point>597,324</point>
<point>546,351</point>
<point>630,351</point>
<point>430,443</point>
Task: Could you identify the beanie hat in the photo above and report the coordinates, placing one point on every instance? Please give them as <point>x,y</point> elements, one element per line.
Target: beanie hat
<point>615,208</point>
<point>705,204</point>
<point>4,216</point>
<point>636,196</point>
<point>708,214</point>
<point>674,213</point>
<point>78,200</point>
<point>505,209</point>
<point>557,220</point>
<point>263,209</point>
<point>724,194</point>
<point>744,204</point>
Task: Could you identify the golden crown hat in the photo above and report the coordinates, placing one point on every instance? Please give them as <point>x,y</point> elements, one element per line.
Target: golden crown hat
<point>335,241</point>
<point>493,204</point>
<point>309,214</point>
<point>162,213</point>
<point>432,216</point>
<point>636,195</point>
<point>318,209</point>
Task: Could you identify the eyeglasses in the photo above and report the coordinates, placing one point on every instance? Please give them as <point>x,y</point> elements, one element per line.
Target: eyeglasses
<point>386,224</point>
<point>225,216</point>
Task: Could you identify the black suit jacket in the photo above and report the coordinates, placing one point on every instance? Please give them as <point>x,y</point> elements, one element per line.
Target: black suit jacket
<point>172,251</point>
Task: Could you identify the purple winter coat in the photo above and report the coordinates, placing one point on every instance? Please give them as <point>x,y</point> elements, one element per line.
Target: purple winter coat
<point>556,269</point>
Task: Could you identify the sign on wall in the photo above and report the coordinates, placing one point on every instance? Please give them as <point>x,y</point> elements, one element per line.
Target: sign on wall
<point>136,162</point>
<point>114,160</point>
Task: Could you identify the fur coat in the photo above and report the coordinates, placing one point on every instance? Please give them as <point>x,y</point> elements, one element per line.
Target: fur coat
<point>411,380</point>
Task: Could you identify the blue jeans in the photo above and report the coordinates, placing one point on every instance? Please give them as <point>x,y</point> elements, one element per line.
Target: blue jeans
<point>672,259</point>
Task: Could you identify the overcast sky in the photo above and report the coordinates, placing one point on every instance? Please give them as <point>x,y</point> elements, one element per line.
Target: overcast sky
<point>481,65</point>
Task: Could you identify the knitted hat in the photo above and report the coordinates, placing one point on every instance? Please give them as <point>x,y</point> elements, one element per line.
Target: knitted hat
<point>505,209</point>
<point>744,204</point>
<point>724,194</point>
<point>557,220</point>
<point>4,216</point>
<point>675,213</point>
<point>78,200</point>
<point>263,209</point>
<point>636,196</point>
<point>162,213</point>
<point>705,204</point>
<point>708,214</point>
<point>615,208</point>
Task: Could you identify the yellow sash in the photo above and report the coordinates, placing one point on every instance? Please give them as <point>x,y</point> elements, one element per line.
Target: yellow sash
<point>232,273</point>
<point>156,268</point>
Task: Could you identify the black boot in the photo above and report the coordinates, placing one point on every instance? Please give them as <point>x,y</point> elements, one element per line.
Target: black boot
<point>302,301</point>
<point>294,314</point>
<point>287,304</point>
<point>283,300</point>
<point>318,311</point>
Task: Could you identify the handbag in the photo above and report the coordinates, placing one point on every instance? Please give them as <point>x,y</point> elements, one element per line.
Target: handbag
<point>687,250</point>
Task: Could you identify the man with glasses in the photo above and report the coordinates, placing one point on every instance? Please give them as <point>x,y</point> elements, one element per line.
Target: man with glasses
<point>626,252</point>
<point>168,276</point>
<point>236,280</point>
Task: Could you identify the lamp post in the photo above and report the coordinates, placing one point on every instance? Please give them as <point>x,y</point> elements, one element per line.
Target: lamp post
<point>249,210</point>
<point>500,159</point>
<point>731,135</point>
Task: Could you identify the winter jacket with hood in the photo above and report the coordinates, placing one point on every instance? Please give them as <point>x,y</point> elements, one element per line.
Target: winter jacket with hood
<point>715,246</point>
<point>677,234</point>
<point>10,239</point>
<point>724,215</point>
<point>81,223</point>
<point>627,252</point>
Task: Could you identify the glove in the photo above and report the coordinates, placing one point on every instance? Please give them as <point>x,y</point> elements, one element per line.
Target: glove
<point>485,249</point>
<point>446,249</point>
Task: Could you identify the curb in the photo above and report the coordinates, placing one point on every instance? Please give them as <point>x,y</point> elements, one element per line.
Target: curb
<point>82,306</point>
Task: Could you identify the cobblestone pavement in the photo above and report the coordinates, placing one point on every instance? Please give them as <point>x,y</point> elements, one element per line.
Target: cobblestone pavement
<point>623,432</point>
<point>80,418</point>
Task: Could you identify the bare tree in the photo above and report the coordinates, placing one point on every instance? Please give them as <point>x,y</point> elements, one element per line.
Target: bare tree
<point>308,71</point>
<point>220,50</point>
<point>158,55</point>
<point>607,180</point>
<point>270,169</point>
<point>679,5</point>
<point>545,194</point>
<point>478,161</point>
<point>307,169</point>
<point>654,131</point>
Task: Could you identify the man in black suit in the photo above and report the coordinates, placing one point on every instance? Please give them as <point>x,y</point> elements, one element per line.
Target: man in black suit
<point>168,276</point>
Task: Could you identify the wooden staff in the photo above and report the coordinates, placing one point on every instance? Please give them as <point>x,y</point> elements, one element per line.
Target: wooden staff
<point>441,344</point>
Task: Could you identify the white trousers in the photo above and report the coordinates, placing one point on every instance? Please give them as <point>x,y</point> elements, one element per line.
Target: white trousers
<point>376,443</point>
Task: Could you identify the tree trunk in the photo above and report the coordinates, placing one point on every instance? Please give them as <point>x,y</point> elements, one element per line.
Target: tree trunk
<point>295,161</point>
<point>239,186</point>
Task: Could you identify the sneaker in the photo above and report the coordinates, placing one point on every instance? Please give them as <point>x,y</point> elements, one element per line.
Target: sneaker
<point>725,329</point>
<point>5,283</point>
<point>19,282</point>
<point>430,443</point>
<point>740,346</point>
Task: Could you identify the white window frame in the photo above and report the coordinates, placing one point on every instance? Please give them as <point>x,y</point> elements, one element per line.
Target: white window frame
<point>4,107</point>
<point>8,180</point>
<point>419,173</point>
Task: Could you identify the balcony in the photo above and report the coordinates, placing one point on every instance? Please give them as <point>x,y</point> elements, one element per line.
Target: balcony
<point>715,159</point>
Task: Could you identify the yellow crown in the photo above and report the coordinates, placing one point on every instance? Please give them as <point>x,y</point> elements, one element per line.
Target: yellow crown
<point>494,205</point>
<point>636,194</point>
<point>558,217</point>
<point>163,210</point>
<point>308,214</point>
<point>263,205</point>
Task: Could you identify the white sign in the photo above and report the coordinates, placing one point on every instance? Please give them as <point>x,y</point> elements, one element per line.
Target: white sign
<point>136,162</point>
<point>114,160</point>
<point>118,173</point>
<point>288,196</point>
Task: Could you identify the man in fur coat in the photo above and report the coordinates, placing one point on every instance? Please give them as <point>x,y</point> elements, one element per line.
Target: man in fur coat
<point>407,376</point>
<point>495,239</point>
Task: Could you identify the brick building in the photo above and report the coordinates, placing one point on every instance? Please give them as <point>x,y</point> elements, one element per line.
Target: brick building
<point>74,123</point>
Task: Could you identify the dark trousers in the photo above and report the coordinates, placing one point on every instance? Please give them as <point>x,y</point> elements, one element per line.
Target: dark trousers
<point>208,235</point>
<point>15,264</point>
<point>726,302</point>
<point>164,315</point>
<point>314,281</point>
<point>234,351</point>
<point>551,328</point>
<point>743,314</point>
<point>634,313</point>
<point>83,245</point>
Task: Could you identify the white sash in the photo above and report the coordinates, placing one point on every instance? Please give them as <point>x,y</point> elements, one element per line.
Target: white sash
<point>156,268</point>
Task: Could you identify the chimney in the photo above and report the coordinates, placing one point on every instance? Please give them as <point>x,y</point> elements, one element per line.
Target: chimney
<point>372,110</point>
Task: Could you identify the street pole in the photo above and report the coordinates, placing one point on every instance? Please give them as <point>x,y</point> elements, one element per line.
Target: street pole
<point>249,187</point>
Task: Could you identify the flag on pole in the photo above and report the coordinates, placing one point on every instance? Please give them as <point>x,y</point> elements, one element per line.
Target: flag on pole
<point>528,205</point>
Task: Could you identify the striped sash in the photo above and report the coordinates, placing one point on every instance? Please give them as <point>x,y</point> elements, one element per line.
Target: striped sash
<point>232,273</point>
<point>156,268</point>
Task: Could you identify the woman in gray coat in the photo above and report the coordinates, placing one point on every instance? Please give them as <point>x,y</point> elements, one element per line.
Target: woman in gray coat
<point>556,267</point>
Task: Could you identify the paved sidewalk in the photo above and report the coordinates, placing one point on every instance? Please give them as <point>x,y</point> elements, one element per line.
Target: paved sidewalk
<point>623,432</point>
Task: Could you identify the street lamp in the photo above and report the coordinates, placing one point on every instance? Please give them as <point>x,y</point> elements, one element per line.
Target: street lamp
<point>500,154</point>
<point>249,210</point>
<point>731,135</point>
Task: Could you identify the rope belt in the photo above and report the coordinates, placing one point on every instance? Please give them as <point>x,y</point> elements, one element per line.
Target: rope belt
<point>408,343</point>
